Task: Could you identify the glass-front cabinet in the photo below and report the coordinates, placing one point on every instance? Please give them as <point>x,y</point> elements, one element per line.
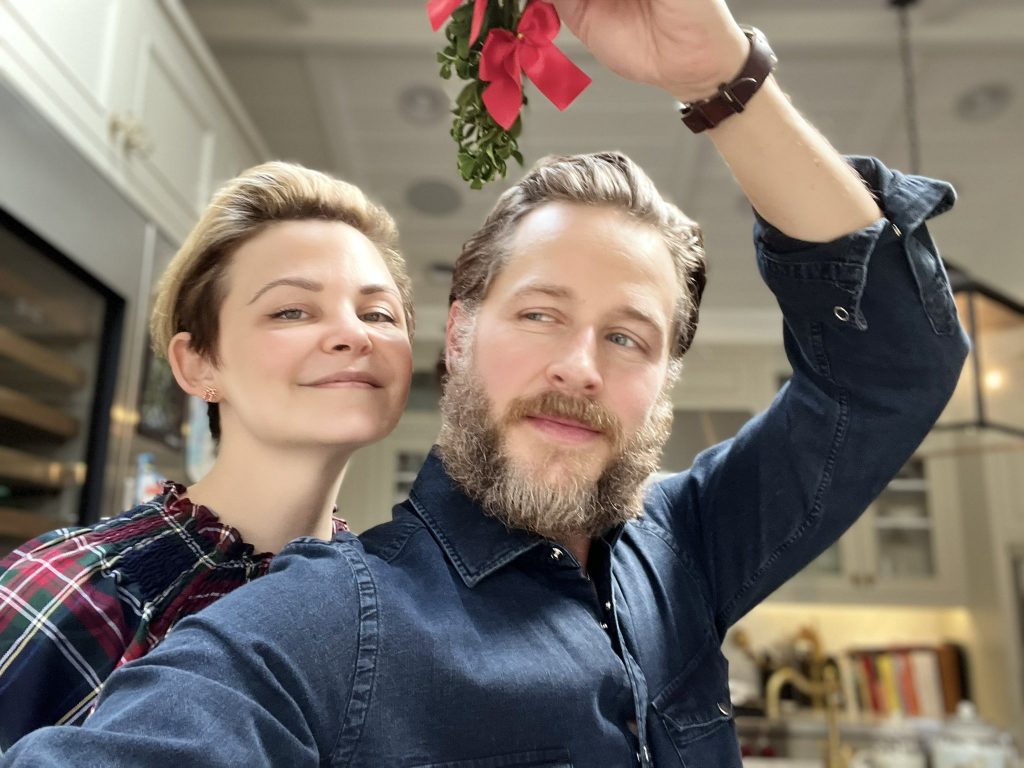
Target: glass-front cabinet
<point>902,550</point>
<point>59,331</point>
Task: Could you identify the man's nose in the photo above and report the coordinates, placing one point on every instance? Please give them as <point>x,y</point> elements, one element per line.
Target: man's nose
<point>575,368</point>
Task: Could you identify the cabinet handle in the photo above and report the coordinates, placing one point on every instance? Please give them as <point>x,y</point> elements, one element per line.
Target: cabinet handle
<point>118,124</point>
<point>137,141</point>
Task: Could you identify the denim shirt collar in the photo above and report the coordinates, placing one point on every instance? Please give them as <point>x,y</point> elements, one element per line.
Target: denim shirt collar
<point>477,545</point>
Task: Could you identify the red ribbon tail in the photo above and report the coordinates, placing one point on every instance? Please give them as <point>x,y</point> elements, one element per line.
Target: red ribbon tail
<point>555,75</point>
<point>499,65</point>
<point>439,11</point>
<point>478,20</point>
<point>504,100</point>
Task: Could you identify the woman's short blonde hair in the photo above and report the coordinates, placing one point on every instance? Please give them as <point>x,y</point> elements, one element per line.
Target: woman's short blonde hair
<point>192,289</point>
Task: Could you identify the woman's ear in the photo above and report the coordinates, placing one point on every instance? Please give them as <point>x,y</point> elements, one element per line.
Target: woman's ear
<point>194,372</point>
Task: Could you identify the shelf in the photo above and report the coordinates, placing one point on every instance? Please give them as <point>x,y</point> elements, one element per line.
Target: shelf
<point>907,485</point>
<point>25,410</point>
<point>26,468</point>
<point>19,524</point>
<point>46,310</point>
<point>39,359</point>
<point>905,524</point>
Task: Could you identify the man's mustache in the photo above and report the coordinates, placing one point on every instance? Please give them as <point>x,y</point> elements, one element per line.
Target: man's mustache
<point>589,413</point>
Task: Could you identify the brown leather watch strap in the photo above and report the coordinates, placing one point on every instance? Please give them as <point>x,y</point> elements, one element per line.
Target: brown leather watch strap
<point>732,97</point>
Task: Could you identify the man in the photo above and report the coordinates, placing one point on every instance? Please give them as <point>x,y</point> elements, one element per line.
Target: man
<point>531,604</point>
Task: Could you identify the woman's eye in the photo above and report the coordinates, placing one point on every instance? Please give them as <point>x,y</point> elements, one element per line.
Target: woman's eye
<point>377,316</point>
<point>291,313</point>
<point>622,340</point>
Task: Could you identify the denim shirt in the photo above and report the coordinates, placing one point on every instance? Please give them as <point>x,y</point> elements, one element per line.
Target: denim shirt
<point>443,639</point>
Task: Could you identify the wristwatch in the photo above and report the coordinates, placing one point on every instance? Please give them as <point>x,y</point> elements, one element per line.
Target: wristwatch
<point>732,97</point>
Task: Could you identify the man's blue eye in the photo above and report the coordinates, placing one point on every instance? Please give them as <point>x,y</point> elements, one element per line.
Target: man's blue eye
<point>622,340</point>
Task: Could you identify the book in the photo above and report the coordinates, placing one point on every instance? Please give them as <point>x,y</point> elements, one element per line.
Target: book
<point>927,682</point>
<point>887,683</point>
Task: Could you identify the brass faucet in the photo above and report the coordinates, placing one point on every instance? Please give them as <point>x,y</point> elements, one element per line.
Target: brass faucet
<point>837,755</point>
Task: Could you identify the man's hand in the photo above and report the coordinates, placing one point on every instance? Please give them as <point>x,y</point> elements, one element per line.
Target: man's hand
<point>687,47</point>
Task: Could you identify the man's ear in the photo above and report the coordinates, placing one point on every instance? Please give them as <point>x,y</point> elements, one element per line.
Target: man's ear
<point>454,335</point>
<point>193,371</point>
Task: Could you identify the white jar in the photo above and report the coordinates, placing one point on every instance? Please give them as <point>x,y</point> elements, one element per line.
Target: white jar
<point>967,741</point>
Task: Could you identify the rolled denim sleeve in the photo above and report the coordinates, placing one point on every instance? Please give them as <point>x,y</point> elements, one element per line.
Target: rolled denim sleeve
<point>871,332</point>
<point>270,675</point>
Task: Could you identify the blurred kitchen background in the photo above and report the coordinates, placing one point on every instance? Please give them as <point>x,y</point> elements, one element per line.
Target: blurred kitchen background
<point>119,117</point>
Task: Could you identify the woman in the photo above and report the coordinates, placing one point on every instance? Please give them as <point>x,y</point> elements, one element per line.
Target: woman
<point>289,310</point>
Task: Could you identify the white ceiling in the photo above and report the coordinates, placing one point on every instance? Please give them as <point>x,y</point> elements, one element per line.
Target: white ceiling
<point>322,80</point>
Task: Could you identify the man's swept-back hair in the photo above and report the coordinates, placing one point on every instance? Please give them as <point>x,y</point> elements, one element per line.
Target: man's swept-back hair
<point>604,178</point>
<point>192,288</point>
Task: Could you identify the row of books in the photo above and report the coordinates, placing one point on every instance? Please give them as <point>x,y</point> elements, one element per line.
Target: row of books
<point>913,681</point>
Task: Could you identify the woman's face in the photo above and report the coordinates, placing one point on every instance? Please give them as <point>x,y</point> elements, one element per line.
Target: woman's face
<point>313,348</point>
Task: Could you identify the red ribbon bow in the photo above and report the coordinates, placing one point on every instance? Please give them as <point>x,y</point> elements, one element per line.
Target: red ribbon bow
<point>531,50</point>
<point>440,10</point>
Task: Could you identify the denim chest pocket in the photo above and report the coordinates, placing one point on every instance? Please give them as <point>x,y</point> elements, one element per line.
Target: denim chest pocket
<point>696,714</point>
<point>536,758</point>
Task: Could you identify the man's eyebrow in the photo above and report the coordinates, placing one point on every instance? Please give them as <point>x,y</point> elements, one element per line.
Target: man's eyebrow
<point>548,289</point>
<point>297,282</point>
<point>562,292</point>
<point>642,317</point>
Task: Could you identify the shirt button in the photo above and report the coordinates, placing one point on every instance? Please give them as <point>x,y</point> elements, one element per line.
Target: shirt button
<point>556,554</point>
<point>608,606</point>
<point>897,230</point>
<point>604,625</point>
<point>841,313</point>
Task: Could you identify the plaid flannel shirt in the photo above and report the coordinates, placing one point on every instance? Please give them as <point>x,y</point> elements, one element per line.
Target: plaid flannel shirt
<point>77,603</point>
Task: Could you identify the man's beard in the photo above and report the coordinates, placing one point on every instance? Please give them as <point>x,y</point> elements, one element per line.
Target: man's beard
<point>476,456</point>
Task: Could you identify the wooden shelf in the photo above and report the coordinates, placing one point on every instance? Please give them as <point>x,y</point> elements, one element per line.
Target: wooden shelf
<point>25,410</point>
<point>19,524</point>
<point>51,309</point>
<point>34,470</point>
<point>39,359</point>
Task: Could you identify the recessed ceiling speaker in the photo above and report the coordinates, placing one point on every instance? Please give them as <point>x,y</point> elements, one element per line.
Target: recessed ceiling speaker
<point>984,102</point>
<point>433,197</point>
<point>423,104</point>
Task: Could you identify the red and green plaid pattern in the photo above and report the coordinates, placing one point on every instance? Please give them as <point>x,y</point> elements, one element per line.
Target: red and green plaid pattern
<point>77,603</point>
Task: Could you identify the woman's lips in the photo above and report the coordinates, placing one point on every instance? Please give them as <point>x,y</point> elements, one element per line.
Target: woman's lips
<point>346,380</point>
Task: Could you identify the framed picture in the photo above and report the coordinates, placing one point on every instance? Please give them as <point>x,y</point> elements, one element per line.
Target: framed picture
<point>161,403</point>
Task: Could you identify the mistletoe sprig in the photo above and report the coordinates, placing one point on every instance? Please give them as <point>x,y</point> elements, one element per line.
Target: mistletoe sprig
<point>484,147</point>
<point>491,44</point>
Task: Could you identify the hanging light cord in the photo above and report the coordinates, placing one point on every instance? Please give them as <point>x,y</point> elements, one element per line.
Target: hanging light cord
<point>909,85</point>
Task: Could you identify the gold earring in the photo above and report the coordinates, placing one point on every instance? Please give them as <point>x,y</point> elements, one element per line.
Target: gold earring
<point>209,394</point>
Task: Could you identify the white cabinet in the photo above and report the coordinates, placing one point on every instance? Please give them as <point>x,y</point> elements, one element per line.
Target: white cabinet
<point>380,475</point>
<point>130,83</point>
<point>905,549</point>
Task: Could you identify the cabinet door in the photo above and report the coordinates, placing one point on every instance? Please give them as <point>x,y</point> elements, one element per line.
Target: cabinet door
<point>64,58</point>
<point>903,550</point>
<point>171,110</point>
